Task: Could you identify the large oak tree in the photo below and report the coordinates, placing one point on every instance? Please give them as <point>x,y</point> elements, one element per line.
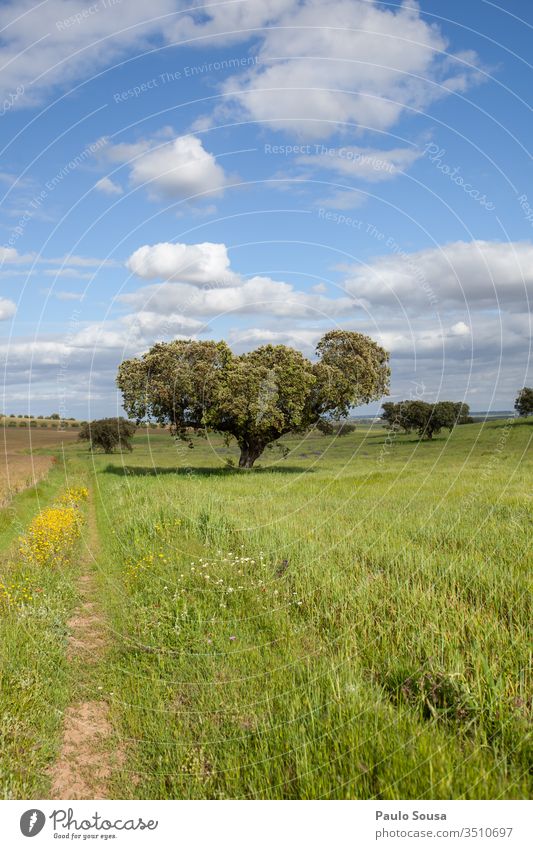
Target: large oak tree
<point>255,397</point>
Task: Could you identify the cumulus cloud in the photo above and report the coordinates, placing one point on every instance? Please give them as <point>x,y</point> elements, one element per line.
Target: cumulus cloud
<point>229,22</point>
<point>175,168</point>
<point>11,255</point>
<point>7,309</point>
<point>362,65</point>
<point>304,339</point>
<point>199,280</point>
<point>258,295</point>
<point>151,325</point>
<point>108,187</point>
<point>491,275</point>
<point>52,44</point>
<point>202,264</point>
<point>460,329</point>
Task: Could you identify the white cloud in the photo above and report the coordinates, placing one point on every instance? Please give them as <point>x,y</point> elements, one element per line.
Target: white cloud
<point>45,45</point>
<point>491,338</point>
<point>206,263</point>
<point>229,22</point>
<point>490,275</point>
<point>151,325</point>
<point>251,337</point>
<point>7,309</point>
<point>204,284</point>
<point>256,296</point>
<point>180,168</point>
<point>362,163</point>
<point>460,329</point>
<point>359,64</point>
<point>342,199</point>
<point>10,255</point>
<point>108,187</point>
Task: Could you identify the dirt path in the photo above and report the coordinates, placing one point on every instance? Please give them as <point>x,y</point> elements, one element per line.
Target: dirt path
<point>87,757</point>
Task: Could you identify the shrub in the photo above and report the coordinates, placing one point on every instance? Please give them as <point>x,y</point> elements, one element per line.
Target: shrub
<point>108,434</point>
<point>335,428</point>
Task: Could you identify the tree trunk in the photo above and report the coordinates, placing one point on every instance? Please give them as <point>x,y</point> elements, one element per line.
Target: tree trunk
<point>248,456</point>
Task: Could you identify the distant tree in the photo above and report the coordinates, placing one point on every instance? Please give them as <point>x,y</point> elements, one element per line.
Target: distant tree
<point>417,416</point>
<point>424,418</point>
<point>395,416</point>
<point>330,427</point>
<point>462,413</point>
<point>108,434</point>
<point>55,416</point>
<point>255,397</point>
<point>343,428</point>
<point>524,402</point>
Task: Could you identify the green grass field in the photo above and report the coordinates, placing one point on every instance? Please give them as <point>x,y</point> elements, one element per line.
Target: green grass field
<point>350,621</point>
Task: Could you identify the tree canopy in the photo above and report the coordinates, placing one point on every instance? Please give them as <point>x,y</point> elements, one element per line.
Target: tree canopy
<point>108,434</point>
<point>424,418</point>
<point>255,397</point>
<point>524,402</point>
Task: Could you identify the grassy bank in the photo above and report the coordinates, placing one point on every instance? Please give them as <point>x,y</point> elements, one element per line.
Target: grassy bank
<point>37,594</point>
<point>350,621</point>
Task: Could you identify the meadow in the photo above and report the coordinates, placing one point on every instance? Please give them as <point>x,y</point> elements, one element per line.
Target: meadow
<point>348,621</point>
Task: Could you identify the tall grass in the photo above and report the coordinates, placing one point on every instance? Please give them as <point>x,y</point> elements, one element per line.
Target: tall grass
<point>363,631</point>
<point>37,594</point>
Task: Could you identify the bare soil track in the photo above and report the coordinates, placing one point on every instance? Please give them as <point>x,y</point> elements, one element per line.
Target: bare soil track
<point>86,760</point>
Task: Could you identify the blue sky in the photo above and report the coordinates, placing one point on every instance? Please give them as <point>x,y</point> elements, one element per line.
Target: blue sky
<point>263,172</point>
